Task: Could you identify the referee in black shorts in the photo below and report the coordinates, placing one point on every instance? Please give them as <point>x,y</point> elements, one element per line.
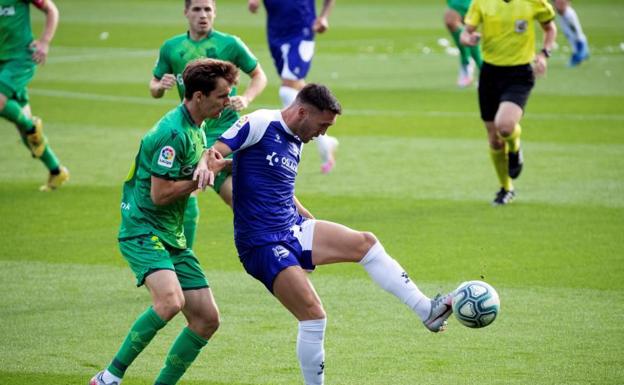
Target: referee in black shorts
<point>508,74</point>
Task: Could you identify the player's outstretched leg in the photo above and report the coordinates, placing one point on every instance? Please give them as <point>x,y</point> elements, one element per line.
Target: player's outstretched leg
<point>327,146</point>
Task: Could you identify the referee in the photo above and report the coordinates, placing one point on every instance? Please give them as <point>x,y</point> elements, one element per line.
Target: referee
<point>508,74</point>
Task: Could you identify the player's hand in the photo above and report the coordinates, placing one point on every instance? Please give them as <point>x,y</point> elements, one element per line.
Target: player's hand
<point>238,102</point>
<point>39,51</point>
<point>203,175</point>
<point>540,65</point>
<point>167,81</point>
<point>320,24</point>
<point>470,38</point>
<point>216,162</point>
<point>253,5</point>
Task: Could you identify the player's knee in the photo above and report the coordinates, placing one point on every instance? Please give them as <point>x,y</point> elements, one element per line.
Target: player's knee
<point>368,240</point>
<point>505,126</point>
<point>208,324</point>
<point>314,312</point>
<point>168,305</point>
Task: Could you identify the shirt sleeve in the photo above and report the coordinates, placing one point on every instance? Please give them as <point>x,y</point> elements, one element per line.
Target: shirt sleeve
<point>544,11</point>
<point>244,133</point>
<point>168,158</point>
<point>162,64</point>
<point>245,59</point>
<point>38,3</point>
<point>474,16</point>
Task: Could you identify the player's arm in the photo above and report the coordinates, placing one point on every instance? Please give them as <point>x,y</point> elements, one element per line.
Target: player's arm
<point>41,47</point>
<point>321,24</point>
<point>164,192</point>
<point>541,59</point>
<point>159,86</point>
<point>302,210</point>
<point>470,36</point>
<point>256,85</point>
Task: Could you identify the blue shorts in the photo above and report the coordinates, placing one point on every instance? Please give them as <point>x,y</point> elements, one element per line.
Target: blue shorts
<point>292,58</point>
<point>290,248</point>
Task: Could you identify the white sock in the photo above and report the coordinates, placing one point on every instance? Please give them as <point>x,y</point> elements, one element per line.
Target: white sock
<point>109,377</point>
<point>326,145</point>
<point>310,351</point>
<point>388,274</point>
<point>287,95</point>
<point>572,27</point>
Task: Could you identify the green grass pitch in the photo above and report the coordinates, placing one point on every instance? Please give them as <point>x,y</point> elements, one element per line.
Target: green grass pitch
<point>413,167</point>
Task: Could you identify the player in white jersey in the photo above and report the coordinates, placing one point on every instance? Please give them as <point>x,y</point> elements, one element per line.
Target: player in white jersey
<point>291,26</point>
<point>278,239</point>
<point>571,27</point>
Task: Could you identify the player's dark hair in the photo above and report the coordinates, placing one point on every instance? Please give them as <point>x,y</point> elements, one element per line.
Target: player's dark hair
<point>319,96</point>
<point>202,74</point>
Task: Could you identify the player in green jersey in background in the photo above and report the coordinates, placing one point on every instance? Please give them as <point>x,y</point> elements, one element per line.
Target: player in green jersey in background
<point>202,40</point>
<point>19,56</point>
<point>170,165</point>
<point>453,18</point>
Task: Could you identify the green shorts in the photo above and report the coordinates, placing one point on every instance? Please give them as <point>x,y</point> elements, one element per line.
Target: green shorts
<point>461,6</point>
<point>15,74</point>
<point>146,254</point>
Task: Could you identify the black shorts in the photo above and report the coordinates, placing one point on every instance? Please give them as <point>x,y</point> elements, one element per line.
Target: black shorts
<point>503,84</point>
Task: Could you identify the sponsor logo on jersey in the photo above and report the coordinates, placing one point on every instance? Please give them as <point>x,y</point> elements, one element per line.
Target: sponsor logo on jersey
<point>125,206</point>
<point>280,252</point>
<point>7,11</point>
<point>166,157</point>
<point>284,161</point>
<point>521,26</point>
<point>187,170</point>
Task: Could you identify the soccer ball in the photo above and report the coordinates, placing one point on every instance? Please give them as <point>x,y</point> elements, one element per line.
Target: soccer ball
<point>475,304</point>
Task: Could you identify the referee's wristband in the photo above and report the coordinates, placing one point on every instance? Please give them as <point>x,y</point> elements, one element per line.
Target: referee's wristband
<point>546,52</point>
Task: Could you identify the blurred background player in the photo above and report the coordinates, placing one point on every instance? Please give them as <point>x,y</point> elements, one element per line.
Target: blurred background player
<point>19,56</point>
<point>278,239</point>
<point>454,20</point>
<point>167,169</point>
<point>202,40</point>
<point>507,77</point>
<point>291,26</point>
<point>571,27</point>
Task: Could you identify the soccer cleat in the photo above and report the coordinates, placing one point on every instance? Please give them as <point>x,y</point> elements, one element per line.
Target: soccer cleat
<point>97,380</point>
<point>327,166</point>
<point>503,197</point>
<point>515,162</point>
<point>465,75</point>
<point>441,309</point>
<point>36,141</point>
<point>580,54</point>
<point>56,181</point>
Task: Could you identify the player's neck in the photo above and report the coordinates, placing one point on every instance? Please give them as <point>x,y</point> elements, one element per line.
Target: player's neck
<point>194,113</point>
<point>197,36</point>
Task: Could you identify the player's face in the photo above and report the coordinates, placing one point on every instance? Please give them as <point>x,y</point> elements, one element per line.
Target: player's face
<point>213,104</point>
<point>201,15</point>
<point>314,123</point>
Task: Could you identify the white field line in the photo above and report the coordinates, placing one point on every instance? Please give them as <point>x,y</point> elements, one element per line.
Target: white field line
<point>357,112</point>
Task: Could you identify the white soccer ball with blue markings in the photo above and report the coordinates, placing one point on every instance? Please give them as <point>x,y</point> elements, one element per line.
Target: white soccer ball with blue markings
<point>475,304</point>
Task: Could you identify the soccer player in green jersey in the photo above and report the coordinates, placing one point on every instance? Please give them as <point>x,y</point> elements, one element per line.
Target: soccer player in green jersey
<point>19,56</point>
<point>453,19</point>
<point>202,40</point>
<point>171,163</point>
<point>508,75</point>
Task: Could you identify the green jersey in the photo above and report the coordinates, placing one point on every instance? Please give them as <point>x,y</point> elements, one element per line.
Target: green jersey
<point>176,52</point>
<point>461,6</point>
<point>170,150</point>
<point>15,32</point>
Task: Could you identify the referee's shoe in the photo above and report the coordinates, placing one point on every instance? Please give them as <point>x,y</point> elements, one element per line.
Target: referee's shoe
<point>515,162</point>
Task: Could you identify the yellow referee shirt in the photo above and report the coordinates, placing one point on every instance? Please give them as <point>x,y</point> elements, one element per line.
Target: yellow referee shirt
<point>508,33</point>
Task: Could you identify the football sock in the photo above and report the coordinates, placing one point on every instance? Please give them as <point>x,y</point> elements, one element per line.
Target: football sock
<point>475,53</point>
<point>499,159</point>
<point>140,335</point>
<point>464,53</point>
<point>572,27</point>
<point>388,274</point>
<point>191,218</point>
<point>310,350</point>
<point>182,354</point>
<point>325,144</point>
<point>12,111</point>
<point>513,140</point>
<point>287,95</point>
<point>50,160</point>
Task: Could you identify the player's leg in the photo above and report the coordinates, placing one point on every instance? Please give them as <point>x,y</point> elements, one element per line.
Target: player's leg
<point>507,122</point>
<point>191,219</point>
<point>333,243</point>
<point>200,311</point>
<point>294,290</point>
<point>453,22</point>
<point>223,186</point>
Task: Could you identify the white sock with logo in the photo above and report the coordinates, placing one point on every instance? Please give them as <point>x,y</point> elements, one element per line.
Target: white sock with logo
<point>572,27</point>
<point>287,95</point>
<point>310,351</point>
<point>388,274</point>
